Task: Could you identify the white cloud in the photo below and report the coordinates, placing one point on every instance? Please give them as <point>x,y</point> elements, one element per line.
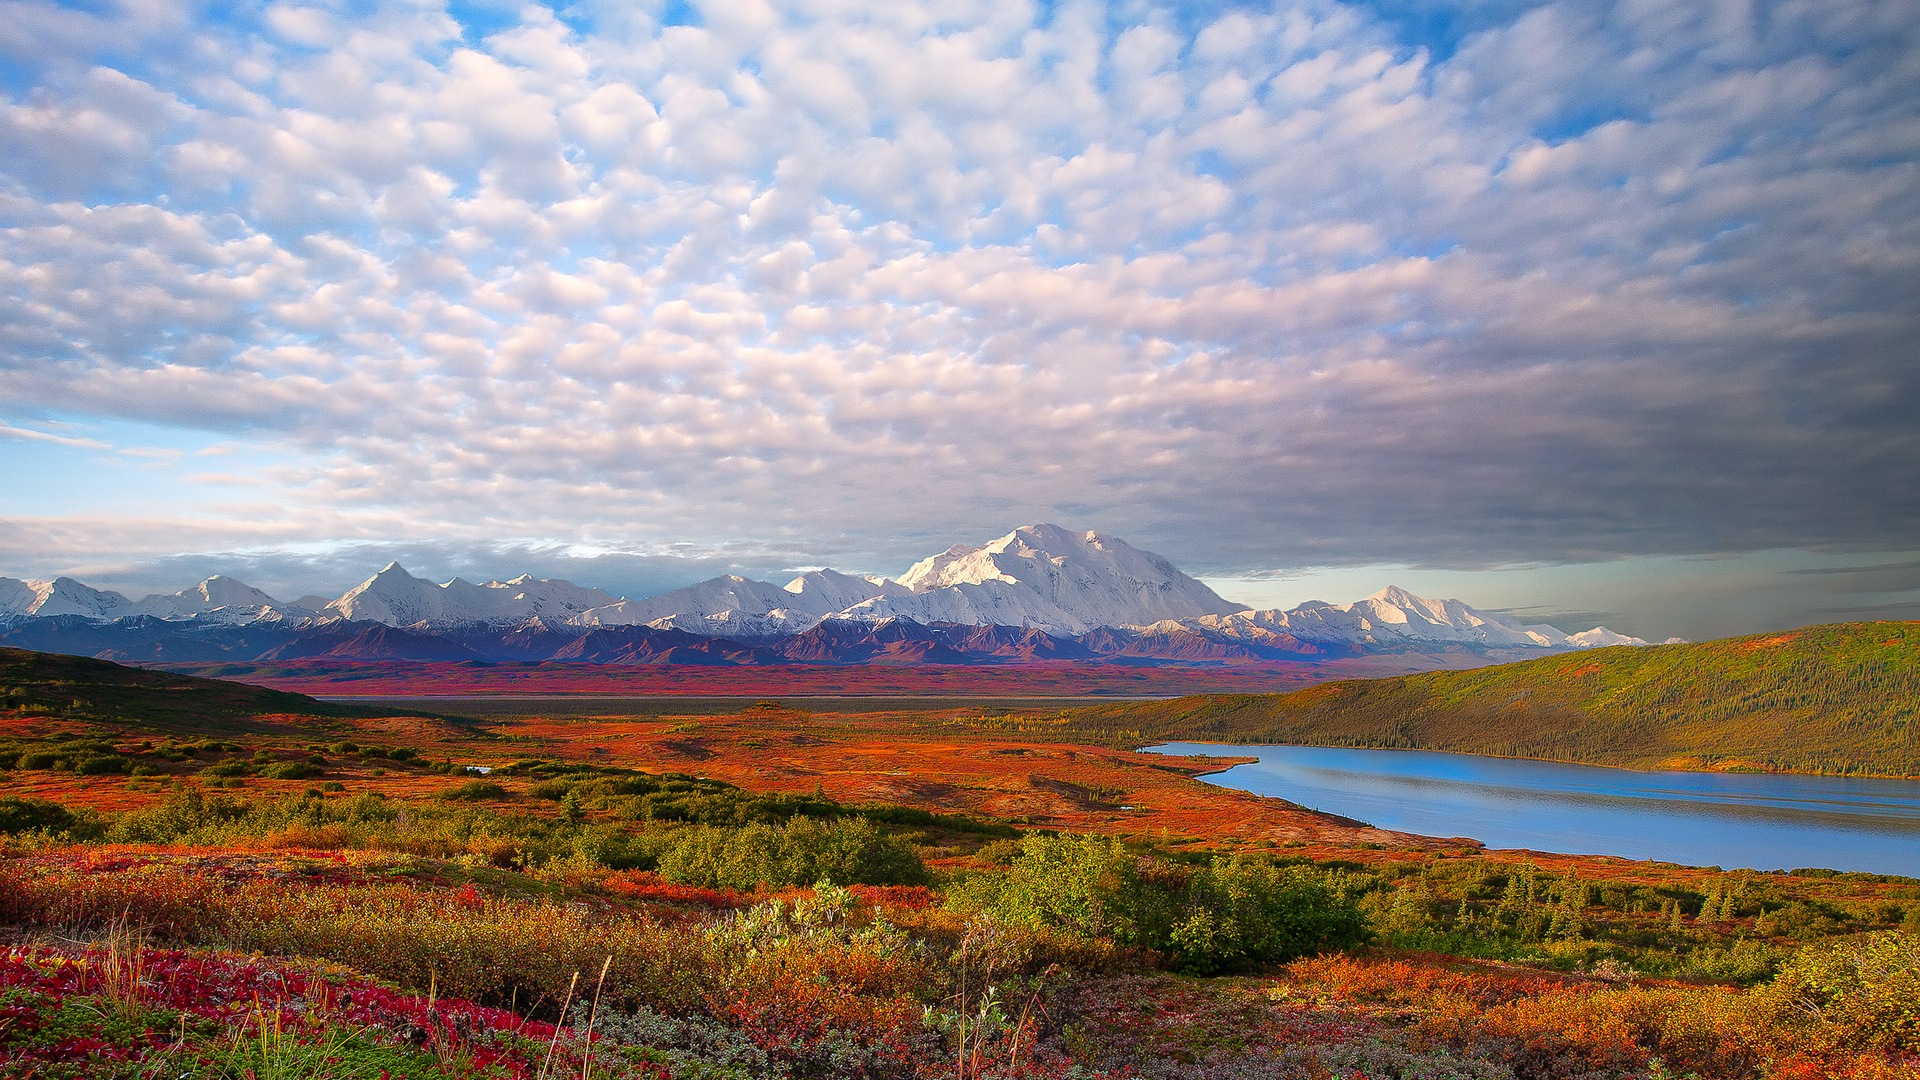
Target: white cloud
<point>1589,281</point>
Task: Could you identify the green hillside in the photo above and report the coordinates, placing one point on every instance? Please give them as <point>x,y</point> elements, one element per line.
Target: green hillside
<point>1843,698</point>
<point>82,689</point>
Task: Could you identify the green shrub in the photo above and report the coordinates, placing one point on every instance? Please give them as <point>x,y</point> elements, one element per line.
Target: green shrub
<point>100,765</point>
<point>38,760</point>
<point>1233,914</point>
<point>227,768</point>
<point>1090,885</point>
<point>291,770</point>
<point>1243,911</point>
<point>185,811</point>
<point>1867,990</point>
<point>26,815</point>
<point>850,851</point>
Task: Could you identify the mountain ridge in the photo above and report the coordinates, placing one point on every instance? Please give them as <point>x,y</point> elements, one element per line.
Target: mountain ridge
<point>1037,578</point>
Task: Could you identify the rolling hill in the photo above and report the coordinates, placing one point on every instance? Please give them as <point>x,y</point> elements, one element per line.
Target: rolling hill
<point>83,689</point>
<point>1843,698</point>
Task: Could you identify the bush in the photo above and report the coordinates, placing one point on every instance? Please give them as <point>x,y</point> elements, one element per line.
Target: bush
<point>851,851</point>
<point>100,765</point>
<point>1233,914</point>
<point>26,815</point>
<point>185,811</point>
<point>1243,911</point>
<point>1866,991</point>
<point>1090,885</point>
<point>38,759</point>
<point>291,770</point>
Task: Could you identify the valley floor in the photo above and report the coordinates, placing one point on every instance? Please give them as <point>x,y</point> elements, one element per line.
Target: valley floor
<point>347,896</point>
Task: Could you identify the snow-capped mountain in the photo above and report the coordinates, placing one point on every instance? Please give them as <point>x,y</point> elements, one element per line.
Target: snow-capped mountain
<point>219,599</point>
<point>828,591</point>
<point>734,606</point>
<point>730,606</point>
<point>1045,577</point>
<point>1394,618</point>
<point>61,596</point>
<point>397,598</point>
<point>1036,580</point>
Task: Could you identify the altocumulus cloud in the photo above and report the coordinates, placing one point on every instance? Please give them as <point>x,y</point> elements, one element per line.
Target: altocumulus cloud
<point>1299,285</point>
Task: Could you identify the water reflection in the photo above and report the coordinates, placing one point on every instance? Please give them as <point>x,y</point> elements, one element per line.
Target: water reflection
<point>1706,819</point>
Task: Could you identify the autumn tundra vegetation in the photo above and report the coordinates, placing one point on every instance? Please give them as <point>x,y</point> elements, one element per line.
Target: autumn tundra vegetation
<point>205,879</point>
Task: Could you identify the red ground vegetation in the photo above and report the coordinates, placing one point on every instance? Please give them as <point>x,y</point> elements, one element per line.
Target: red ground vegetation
<point>406,678</point>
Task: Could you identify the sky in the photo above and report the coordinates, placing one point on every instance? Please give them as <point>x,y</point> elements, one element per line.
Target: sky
<point>1592,311</point>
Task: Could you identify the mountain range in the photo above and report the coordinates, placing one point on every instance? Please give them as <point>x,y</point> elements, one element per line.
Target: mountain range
<point>1039,592</point>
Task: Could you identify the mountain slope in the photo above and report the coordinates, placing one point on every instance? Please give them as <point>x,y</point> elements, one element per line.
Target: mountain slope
<point>1395,619</point>
<point>60,596</point>
<point>1839,698</point>
<point>218,599</point>
<point>80,688</point>
<point>1048,578</point>
<point>397,598</point>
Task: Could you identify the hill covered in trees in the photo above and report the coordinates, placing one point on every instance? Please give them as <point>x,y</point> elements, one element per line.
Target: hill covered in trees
<point>1843,698</point>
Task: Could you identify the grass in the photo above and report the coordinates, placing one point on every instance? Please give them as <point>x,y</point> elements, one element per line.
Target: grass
<point>77,688</point>
<point>636,897</point>
<point>1826,699</point>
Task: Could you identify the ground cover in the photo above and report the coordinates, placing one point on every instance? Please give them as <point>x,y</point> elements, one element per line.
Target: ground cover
<point>782,891</point>
<point>1824,699</point>
<point>406,678</point>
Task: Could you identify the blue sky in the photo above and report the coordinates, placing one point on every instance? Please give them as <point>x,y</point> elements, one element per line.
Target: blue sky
<point>1586,309</point>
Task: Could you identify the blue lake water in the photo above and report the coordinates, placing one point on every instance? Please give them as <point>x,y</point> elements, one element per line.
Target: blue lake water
<point>1730,820</point>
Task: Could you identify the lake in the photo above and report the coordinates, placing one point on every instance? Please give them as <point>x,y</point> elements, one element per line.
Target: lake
<point>1757,821</point>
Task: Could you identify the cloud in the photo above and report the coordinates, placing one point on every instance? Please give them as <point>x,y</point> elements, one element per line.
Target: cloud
<point>1305,286</point>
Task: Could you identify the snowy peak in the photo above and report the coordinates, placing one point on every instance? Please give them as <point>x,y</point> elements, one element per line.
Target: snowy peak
<point>731,606</point>
<point>950,567</point>
<point>1600,637</point>
<point>1395,618</point>
<point>60,596</point>
<point>1049,578</point>
<point>828,591</point>
<point>217,599</point>
<point>398,598</point>
<point>17,597</point>
<point>390,596</point>
<point>1043,578</point>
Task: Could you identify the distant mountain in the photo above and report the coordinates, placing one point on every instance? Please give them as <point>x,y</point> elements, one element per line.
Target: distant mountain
<point>730,606</point>
<point>1838,698</point>
<point>219,599</point>
<point>367,641</point>
<point>397,598</point>
<point>1048,578</point>
<point>61,596</point>
<point>1394,619</point>
<point>1039,592</point>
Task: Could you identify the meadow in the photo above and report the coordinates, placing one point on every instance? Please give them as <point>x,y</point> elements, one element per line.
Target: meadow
<point>190,887</point>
